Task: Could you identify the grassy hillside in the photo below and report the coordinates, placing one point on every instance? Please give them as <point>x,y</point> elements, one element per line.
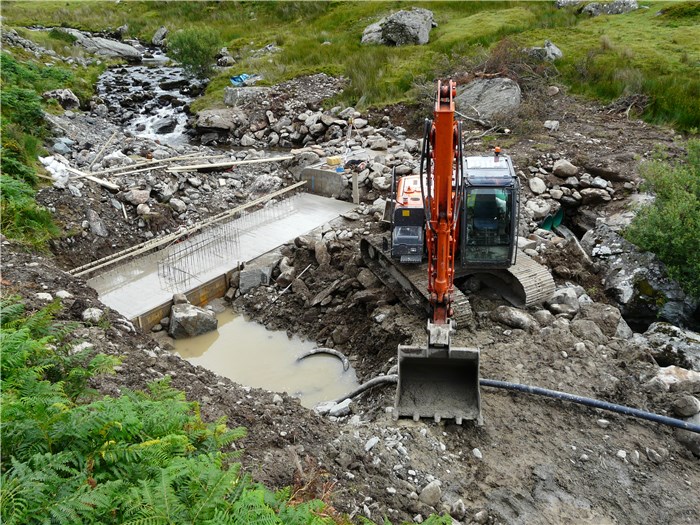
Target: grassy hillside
<point>647,53</point>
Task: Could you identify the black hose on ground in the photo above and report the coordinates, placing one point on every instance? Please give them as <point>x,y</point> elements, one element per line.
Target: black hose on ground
<point>595,403</point>
<point>555,394</point>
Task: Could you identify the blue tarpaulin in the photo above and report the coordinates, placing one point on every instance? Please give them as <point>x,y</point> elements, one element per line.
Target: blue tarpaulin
<point>239,80</point>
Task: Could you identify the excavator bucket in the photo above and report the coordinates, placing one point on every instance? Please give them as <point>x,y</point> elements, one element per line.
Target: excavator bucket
<point>442,384</point>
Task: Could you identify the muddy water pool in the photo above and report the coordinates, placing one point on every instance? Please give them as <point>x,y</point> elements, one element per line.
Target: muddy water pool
<point>250,354</point>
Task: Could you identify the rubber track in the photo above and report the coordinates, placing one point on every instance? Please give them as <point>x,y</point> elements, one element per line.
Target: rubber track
<point>409,282</point>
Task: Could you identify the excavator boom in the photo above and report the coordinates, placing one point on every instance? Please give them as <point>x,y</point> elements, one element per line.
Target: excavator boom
<point>440,381</point>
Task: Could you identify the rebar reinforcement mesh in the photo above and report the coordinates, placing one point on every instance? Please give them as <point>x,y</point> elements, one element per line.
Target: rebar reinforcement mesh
<point>183,261</point>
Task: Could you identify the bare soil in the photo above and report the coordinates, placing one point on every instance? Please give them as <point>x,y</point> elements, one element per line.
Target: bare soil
<point>538,460</point>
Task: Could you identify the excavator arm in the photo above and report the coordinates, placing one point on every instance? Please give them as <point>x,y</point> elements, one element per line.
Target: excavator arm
<point>438,380</point>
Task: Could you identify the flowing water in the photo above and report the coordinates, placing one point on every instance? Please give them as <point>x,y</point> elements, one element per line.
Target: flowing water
<point>149,99</point>
<point>250,354</point>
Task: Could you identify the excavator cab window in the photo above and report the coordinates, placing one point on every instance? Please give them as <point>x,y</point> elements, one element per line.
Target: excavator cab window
<point>488,222</point>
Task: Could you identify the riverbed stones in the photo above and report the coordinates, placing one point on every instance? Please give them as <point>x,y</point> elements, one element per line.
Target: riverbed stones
<point>187,320</point>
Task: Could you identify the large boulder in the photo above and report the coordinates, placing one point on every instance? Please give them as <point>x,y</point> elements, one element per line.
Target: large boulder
<point>401,28</point>
<point>638,281</point>
<point>489,97</point>
<point>671,345</point>
<point>106,47</point>
<point>187,320</point>
<point>65,97</point>
<point>220,120</point>
<point>617,7</point>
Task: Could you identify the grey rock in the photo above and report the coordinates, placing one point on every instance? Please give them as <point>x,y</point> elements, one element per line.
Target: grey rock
<point>180,298</point>
<point>340,409</point>
<point>563,168</point>
<point>551,125</point>
<point>64,294</point>
<point>187,320</point>
<point>159,36</point>
<point>606,317</point>
<point>563,301</point>
<point>489,97</point>
<point>691,440</point>
<point>321,253</point>
<point>177,205</point>
<point>671,345</point>
<point>252,277</point>
<point>594,196</point>
<point>686,406</point>
<point>61,148</point>
<point>164,125</point>
<point>143,209</point>
<point>103,46</point>
<point>616,7</point>
<point>65,97</point>
<point>481,517</point>
<point>97,225</point>
<point>247,140</point>
<point>637,281</point>
<point>549,52</point>
<point>367,278</point>
<point>513,317</point>
<point>544,317</point>
<point>431,493</point>
<point>370,443</point>
<point>401,28</point>
<point>92,315</point>
<point>137,197</point>
<point>44,296</point>
<point>537,185</point>
<point>588,330</point>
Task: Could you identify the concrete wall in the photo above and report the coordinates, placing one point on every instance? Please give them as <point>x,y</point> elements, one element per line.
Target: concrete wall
<point>212,289</point>
<point>323,182</point>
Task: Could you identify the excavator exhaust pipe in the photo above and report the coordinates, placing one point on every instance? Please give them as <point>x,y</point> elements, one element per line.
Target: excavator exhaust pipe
<point>438,384</point>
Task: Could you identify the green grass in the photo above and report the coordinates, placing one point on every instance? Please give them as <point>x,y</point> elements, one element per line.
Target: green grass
<point>648,54</point>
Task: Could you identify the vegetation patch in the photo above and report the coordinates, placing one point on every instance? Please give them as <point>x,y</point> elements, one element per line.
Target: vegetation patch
<point>669,227</point>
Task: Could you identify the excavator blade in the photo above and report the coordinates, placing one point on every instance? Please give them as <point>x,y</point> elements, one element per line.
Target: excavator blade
<point>441,384</point>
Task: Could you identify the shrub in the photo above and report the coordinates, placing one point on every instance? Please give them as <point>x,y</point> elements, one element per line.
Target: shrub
<point>195,49</point>
<point>22,218</point>
<point>145,457</point>
<point>669,227</point>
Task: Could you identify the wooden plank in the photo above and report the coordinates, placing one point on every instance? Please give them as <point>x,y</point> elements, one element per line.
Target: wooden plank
<point>175,169</point>
<point>155,243</point>
<point>106,184</point>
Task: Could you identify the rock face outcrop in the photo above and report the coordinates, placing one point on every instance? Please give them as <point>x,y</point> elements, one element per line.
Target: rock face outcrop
<point>489,97</point>
<point>638,281</point>
<point>104,46</point>
<point>671,345</point>
<point>187,320</point>
<point>549,52</point>
<point>401,28</point>
<point>65,97</point>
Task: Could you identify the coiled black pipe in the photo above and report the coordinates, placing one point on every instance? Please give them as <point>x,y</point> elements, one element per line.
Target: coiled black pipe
<point>595,403</point>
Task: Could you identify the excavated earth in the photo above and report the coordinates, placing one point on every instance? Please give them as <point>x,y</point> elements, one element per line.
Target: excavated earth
<point>533,461</point>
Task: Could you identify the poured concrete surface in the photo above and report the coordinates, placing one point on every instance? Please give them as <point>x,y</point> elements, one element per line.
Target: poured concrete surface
<point>135,288</point>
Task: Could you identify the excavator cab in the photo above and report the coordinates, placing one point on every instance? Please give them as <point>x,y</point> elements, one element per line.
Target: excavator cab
<point>489,218</point>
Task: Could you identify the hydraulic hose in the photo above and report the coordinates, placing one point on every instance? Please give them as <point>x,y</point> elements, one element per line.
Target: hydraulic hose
<point>595,403</point>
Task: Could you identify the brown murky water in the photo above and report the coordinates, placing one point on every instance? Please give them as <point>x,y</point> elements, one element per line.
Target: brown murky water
<point>250,354</point>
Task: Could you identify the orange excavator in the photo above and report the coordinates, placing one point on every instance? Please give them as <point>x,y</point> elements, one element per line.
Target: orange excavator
<point>438,380</point>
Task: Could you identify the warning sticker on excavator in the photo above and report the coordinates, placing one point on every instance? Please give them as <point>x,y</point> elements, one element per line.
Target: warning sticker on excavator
<point>406,213</point>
